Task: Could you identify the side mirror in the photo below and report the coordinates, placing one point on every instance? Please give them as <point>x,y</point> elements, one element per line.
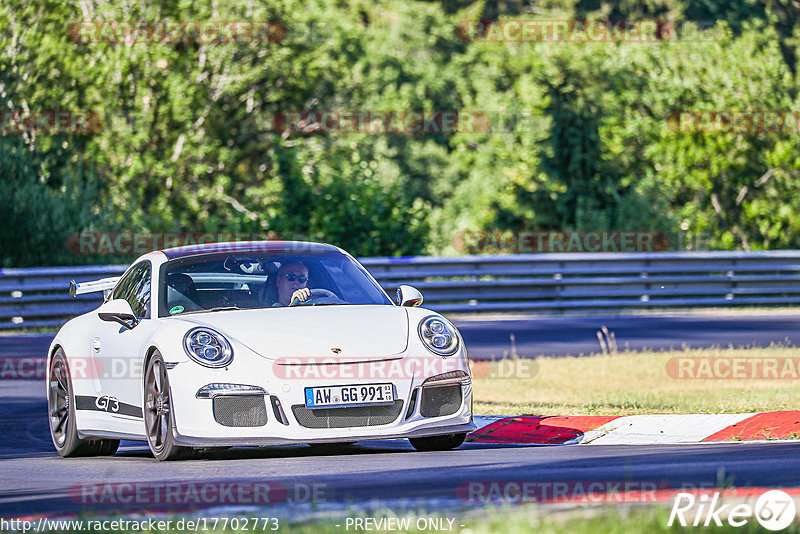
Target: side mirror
<point>118,311</point>
<point>408,296</point>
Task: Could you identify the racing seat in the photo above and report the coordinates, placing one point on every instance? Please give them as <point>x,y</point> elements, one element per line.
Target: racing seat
<point>182,291</point>
<point>268,293</point>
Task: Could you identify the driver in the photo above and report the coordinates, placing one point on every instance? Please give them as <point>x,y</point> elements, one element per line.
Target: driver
<point>292,282</point>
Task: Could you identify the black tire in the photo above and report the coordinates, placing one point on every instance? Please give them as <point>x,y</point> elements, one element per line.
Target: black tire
<point>158,413</point>
<point>61,414</point>
<point>107,447</point>
<point>438,443</point>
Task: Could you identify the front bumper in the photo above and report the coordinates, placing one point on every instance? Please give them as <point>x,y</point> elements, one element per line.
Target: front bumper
<point>195,423</point>
<point>194,441</point>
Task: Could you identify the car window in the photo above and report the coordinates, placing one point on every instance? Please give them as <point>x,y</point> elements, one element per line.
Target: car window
<point>215,281</point>
<point>135,288</point>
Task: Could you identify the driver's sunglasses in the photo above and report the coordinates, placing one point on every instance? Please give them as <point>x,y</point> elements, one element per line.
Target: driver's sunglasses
<point>300,278</point>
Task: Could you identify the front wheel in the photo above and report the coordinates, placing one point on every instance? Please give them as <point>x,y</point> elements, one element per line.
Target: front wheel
<point>158,412</point>
<point>438,443</point>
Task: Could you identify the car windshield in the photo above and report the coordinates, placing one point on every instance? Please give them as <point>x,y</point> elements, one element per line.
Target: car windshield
<point>215,282</point>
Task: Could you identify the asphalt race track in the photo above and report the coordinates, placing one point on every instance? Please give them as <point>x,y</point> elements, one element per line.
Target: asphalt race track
<point>34,480</point>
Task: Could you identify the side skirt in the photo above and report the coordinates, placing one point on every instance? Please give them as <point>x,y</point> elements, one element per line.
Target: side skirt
<point>105,434</point>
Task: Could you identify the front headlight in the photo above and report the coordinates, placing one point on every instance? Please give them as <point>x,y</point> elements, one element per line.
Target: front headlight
<point>208,347</point>
<point>438,336</point>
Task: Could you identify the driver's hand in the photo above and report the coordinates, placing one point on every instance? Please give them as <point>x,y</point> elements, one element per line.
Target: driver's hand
<point>302,294</point>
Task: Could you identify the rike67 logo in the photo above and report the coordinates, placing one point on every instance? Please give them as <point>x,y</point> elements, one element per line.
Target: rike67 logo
<point>774,510</point>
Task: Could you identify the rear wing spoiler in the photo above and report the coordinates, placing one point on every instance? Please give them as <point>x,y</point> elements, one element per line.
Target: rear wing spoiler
<point>105,285</point>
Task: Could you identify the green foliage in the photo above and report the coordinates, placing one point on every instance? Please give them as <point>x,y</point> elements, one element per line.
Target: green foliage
<point>44,199</point>
<point>579,137</point>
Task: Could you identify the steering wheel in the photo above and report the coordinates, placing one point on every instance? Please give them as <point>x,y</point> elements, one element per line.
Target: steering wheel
<point>318,296</point>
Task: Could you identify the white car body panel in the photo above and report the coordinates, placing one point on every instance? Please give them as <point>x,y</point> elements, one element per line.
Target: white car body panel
<point>375,344</point>
<point>360,331</point>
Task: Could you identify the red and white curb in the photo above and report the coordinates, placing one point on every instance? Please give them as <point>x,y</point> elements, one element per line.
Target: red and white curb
<point>635,429</point>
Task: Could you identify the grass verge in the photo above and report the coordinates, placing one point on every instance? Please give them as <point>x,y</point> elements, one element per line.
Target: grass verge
<point>632,383</point>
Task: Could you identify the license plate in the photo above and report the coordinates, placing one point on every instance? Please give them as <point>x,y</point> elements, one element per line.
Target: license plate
<point>343,396</point>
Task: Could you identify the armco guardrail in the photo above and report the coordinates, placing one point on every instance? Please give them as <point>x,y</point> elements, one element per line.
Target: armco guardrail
<point>39,296</point>
<point>508,283</point>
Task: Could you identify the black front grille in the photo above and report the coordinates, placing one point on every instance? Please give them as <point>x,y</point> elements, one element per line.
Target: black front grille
<point>240,410</point>
<point>347,417</point>
<point>440,400</point>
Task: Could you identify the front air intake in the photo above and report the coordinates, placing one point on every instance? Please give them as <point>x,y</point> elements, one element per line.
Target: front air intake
<point>240,410</point>
<point>441,400</point>
<point>347,417</point>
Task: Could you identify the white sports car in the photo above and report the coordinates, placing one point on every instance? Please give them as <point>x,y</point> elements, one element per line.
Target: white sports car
<point>254,344</point>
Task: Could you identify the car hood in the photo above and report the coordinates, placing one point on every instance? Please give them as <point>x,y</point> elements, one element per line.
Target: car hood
<point>358,331</point>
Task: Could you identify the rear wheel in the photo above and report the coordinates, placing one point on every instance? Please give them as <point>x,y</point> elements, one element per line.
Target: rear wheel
<point>158,412</point>
<point>61,411</point>
<point>438,443</point>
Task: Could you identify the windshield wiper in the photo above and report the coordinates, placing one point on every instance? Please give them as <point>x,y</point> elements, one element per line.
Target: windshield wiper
<point>218,308</point>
